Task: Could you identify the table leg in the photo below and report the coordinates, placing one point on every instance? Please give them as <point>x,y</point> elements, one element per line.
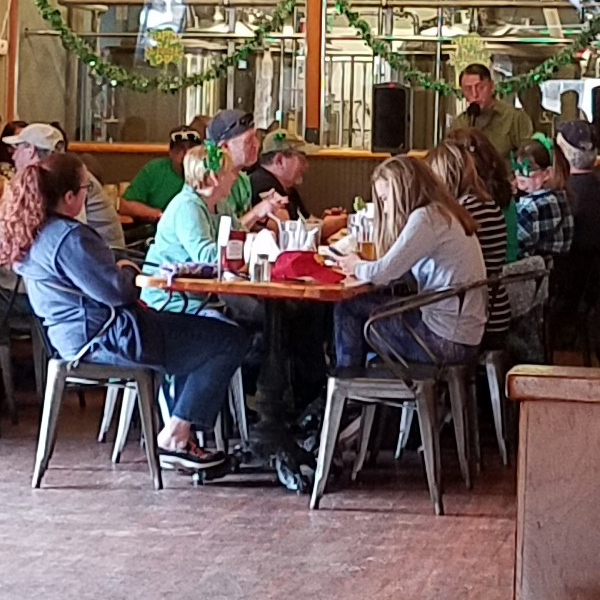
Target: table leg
<point>270,438</point>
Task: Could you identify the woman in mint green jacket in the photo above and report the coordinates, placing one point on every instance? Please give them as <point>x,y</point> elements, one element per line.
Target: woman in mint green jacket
<point>187,230</point>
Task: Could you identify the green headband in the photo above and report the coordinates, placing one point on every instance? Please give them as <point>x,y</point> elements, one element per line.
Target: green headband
<point>522,167</point>
<point>214,156</point>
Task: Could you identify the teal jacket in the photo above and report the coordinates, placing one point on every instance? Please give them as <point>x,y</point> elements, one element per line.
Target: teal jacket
<point>186,232</point>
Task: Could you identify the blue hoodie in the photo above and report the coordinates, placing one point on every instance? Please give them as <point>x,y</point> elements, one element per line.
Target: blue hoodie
<point>70,254</point>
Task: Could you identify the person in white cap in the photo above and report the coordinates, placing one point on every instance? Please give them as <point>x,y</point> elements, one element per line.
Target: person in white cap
<point>34,142</point>
<point>37,140</point>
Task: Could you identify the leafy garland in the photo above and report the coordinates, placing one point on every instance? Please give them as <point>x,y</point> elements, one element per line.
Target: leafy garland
<point>539,74</point>
<point>120,76</point>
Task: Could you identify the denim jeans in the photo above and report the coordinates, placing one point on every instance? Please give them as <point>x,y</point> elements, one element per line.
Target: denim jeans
<point>351,315</point>
<point>202,353</point>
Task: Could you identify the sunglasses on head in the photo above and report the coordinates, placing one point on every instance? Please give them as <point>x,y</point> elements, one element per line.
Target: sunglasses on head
<point>186,136</point>
<point>246,121</point>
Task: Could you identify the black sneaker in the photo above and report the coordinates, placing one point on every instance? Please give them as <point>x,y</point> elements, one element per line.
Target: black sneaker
<point>192,457</point>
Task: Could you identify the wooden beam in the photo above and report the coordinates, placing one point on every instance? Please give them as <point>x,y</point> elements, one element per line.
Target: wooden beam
<point>312,69</point>
<point>12,58</point>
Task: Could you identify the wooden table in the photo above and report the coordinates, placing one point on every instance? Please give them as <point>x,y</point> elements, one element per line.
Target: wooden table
<point>270,438</point>
<point>558,537</point>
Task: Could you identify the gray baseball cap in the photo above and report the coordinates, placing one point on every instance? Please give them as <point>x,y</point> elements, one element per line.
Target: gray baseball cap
<point>227,124</point>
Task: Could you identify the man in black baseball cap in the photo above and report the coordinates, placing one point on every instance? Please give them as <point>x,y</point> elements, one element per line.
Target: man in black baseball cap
<point>578,141</point>
<point>234,131</point>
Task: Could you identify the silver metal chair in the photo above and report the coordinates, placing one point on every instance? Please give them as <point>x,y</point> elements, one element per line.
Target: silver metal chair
<point>399,384</point>
<point>237,405</point>
<point>527,278</point>
<point>61,373</point>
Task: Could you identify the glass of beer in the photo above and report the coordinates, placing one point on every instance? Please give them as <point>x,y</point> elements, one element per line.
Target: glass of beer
<point>366,241</point>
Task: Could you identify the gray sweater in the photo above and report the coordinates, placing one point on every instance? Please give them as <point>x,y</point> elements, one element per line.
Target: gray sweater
<point>439,255</point>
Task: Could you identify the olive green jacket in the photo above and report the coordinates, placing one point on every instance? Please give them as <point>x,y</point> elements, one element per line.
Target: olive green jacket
<point>504,125</point>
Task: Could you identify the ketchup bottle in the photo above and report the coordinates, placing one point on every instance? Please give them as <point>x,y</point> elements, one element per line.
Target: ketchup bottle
<point>232,259</point>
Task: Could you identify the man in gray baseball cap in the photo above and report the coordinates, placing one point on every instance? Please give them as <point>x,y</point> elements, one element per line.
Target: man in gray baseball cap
<point>234,131</point>
<point>34,142</point>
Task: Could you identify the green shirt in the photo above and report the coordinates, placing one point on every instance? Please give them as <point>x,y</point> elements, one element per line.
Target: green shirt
<point>504,125</point>
<point>240,196</point>
<point>155,184</point>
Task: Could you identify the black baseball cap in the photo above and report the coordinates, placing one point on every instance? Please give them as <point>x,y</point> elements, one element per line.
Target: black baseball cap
<point>580,134</point>
<point>227,124</point>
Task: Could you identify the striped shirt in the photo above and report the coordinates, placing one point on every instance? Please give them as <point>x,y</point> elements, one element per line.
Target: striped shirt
<point>492,237</point>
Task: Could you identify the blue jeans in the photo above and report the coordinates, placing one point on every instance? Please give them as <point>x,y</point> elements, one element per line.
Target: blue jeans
<point>351,315</point>
<point>201,353</point>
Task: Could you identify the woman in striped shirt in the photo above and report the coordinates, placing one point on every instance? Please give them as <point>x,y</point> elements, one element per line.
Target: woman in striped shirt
<point>455,166</point>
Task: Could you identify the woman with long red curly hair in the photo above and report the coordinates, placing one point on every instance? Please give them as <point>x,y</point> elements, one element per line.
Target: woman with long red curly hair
<point>89,304</point>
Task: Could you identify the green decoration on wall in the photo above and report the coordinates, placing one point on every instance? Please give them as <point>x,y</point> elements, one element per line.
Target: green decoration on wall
<point>119,76</point>
<point>544,71</point>
<point>167,48</point>
<point>468,49</point>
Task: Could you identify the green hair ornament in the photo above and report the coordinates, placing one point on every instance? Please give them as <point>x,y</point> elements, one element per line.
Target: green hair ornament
<point>523,167</point>
<point>214,156</point>
<point>545,141</point>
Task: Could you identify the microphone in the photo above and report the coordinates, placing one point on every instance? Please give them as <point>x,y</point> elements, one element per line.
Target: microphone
<point>473,111</point>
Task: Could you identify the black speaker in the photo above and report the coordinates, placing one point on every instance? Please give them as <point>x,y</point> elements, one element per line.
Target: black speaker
<point>390,118</point>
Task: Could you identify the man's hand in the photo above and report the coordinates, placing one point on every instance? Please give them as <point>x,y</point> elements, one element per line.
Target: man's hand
<point>271,203</point>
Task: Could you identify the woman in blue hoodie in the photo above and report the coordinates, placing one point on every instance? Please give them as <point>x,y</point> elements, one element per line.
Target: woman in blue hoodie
<point>73,283</point>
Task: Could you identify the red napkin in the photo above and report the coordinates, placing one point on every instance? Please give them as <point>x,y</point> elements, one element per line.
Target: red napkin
<point>297,263</point>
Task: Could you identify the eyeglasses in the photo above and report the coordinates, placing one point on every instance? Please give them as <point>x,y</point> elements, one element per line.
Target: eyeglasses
<point>246,121</point>
<point>89,186</point>
<point>186,136</point>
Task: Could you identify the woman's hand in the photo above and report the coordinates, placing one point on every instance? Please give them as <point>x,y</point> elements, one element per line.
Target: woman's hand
<point>348,263</point>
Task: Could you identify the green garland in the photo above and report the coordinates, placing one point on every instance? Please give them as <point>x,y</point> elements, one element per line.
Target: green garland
<point>120,76</point>
<point>541,73</point>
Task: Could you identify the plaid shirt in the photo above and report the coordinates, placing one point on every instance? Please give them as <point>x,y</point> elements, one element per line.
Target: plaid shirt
<point>544,223</point>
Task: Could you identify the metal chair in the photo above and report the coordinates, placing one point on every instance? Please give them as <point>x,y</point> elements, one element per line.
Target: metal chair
<point>61,373</point>
<point>495,362</point>
<point>399,384</point>
<point>237,406</point>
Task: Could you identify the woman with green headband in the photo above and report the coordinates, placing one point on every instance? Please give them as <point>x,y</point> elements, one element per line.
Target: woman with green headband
<point>544,219</point>
<point>187,230</point>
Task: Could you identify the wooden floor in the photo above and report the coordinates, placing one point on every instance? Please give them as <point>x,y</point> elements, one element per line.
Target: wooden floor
<point>98,531</point>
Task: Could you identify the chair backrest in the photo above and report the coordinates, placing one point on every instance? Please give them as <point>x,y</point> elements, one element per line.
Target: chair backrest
<point>528,292</point>
<point>392,359</point>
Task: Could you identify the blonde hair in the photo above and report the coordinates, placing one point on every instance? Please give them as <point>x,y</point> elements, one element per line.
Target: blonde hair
<point>412,185</point>
<point>453,164</point>
<point>195,170</point>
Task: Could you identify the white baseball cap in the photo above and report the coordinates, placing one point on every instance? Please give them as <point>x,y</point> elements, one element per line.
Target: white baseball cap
<point>40,135</point>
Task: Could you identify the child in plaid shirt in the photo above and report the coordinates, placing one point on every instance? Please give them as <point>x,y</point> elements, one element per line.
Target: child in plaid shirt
<point>544,219</point>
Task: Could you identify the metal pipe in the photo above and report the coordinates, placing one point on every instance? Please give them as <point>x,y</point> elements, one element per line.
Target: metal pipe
<point>364,105</point>
<point>437,73</point>
<point>230,101</point>
<point>342,107</point>
<point>281,87</point>
<point>351,104</point>
<point>323,56</point>
<point>363,3</point>
<point>278,36</point>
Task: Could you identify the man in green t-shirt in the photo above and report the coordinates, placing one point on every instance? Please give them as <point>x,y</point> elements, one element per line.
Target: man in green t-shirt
<point>503,124</point>
<point>234,131</point>
<point>158,181</point>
